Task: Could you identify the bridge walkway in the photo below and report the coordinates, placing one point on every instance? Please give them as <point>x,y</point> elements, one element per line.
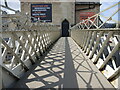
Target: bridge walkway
<point>65,66</point>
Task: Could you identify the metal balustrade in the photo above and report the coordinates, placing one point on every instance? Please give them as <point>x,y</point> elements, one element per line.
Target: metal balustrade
<point>21,49</point>
<point>23,44</point>
<point>100,44</point>
<point>95,21</point>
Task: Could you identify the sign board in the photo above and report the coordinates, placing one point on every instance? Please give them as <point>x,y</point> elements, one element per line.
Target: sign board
<point>42,12</point>
<point>85,15</point>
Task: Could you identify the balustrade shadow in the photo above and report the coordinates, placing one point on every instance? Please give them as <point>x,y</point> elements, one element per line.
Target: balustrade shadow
<point>55,71</point>
<point>88,75</point>
<point>63,67</point>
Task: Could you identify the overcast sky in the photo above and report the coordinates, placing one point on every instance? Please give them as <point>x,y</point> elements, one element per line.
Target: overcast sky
<point>15,4</point>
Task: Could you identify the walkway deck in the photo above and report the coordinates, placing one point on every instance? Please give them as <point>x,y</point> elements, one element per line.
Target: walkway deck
<point>64,67</point>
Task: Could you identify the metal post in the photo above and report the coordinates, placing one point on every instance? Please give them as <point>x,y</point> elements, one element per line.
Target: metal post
<point>119,83</point>
<point>0,51</point>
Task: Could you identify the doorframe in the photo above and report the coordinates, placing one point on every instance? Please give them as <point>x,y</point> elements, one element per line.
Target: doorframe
<point>66,21</point>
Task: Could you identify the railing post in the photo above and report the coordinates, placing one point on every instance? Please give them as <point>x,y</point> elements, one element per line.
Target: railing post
<point>91,41</point>
<point>103,45</point>
<point>119,83</point>
<point>0,67</point>
<point>95,46</point>
<point>110,55</point>
<point>87,43</point>
<point>0,51</point>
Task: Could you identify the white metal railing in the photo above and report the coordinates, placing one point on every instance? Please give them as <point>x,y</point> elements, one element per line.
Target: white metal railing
<point>21,49</point>
<point>100,44</point>
<point>95,21</point>
<point>22,44</point>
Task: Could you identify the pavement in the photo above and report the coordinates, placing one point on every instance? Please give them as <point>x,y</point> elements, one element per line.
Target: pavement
<point>65,66</point>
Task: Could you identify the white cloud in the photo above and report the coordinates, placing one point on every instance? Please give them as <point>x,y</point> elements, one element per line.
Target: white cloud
<point>109,1</point>
<point>14,4</point>
<point>11,0</point>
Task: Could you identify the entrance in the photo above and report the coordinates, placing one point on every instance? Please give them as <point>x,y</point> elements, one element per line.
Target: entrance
<point>65,28</point>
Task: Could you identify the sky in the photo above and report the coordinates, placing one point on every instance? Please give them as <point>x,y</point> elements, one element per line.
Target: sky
<point>15,4</point>
<point>108,3</point>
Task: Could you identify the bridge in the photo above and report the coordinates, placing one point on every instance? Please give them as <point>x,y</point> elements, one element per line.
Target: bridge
<point>34,55</point>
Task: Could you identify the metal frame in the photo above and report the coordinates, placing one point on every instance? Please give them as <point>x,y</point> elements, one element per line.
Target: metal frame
<point>25,43</point>
<point>99,43</point>
<point>28,41</point>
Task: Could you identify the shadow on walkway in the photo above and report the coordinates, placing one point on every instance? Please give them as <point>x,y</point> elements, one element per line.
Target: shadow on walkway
<point>64,67</point>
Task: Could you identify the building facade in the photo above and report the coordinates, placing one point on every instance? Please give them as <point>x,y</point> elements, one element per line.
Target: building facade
<point>60,10</point>
<point>56,11</point>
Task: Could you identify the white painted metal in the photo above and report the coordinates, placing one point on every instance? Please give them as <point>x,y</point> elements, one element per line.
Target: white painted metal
<point>100,44</point>
<point>22,44</point>
<point>0,53</point>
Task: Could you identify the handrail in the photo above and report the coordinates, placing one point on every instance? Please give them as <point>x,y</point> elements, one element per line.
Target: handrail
<point>19,21</point>
<point>101,45</point>
<point>23,43</point>
<point>94,21</point>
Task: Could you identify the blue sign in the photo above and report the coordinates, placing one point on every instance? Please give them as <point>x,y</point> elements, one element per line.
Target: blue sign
<point>42,12</point>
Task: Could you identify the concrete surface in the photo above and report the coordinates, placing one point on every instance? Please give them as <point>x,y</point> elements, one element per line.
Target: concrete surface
<point>64,67</point>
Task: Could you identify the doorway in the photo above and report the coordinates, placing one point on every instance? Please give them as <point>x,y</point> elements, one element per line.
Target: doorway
<point>65,28</point>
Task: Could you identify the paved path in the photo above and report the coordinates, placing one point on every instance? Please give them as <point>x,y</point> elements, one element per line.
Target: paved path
<point>64,67</point>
